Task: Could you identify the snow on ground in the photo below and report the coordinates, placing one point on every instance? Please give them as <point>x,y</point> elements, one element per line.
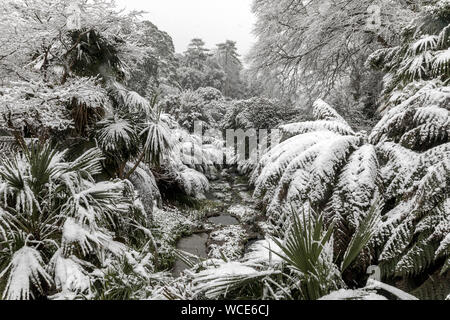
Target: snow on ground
<point>246,197</point>
<point>244,214</point>
<point>264,251</point>
<point>171,223</point>
<point>228,241</point>
<point>266,227</point>
<point>344,294</point>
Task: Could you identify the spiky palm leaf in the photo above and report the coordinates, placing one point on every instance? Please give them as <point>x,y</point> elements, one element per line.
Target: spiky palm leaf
<point>52,207</point>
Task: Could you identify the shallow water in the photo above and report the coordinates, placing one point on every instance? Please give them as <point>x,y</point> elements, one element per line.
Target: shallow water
<point>194,244</point>
<point>224,220</point>
<point>228,194</point>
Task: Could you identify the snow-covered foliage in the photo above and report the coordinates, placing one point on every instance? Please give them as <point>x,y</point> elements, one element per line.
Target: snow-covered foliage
<point>54,216</point>
<point>307,168</point>
<point>50,74</point>
<point>101,219</point>
<point>25,271</point>
<point>305,48</point>
<point>256,113</point>
<point>413,235</point>
<point>413,144</point>
<point>345,176</point>
<point>145,184</point>
<point>420,121</point>
<point>205,106</point>
<point>418,68</point>
<point>194,159</point>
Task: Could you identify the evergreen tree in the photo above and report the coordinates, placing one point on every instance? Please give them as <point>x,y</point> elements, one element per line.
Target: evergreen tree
<point>228,58</point>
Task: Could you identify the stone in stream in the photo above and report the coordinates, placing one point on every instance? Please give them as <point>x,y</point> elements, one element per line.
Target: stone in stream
<point>244,213</point>
<point>195,244</point>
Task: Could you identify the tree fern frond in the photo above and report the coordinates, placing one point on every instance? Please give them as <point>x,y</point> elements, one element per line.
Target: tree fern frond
<point>416,259</point>
<point>398,242</point>
<point>323,111</point>
<point>293,129</point>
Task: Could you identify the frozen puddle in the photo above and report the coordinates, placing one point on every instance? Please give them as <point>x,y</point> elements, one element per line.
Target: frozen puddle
<point>195,244</point>
<point>224,220</point>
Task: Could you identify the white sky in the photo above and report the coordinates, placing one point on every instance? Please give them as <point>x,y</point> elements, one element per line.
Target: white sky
<point>214,21</point>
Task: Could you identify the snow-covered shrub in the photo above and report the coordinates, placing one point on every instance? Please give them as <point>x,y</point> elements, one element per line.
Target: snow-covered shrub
<point>325,165</point>
<point>413,140</point>
<point>52,76</point>
<point>57,225</point>
<point>210,94</point>
<point>421,61</point>
<point>202,106</point>
<point>257,113</point>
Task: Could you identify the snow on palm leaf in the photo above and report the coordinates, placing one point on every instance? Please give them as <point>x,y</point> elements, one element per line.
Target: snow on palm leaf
<point>144,183</point>
<point>186,157</point>
<point>26,270</point>
<point>69,276</point>
<point>223,278</point>
<point>118,138</point>
<point>132,101</point>
<point>49,204</point>
<point>88,238</point>
<point>158,139</point>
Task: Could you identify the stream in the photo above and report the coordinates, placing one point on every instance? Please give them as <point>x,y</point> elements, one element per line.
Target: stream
<point>228,229</point>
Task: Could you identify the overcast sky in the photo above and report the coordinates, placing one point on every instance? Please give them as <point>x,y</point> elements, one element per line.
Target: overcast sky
<point>212,20</point>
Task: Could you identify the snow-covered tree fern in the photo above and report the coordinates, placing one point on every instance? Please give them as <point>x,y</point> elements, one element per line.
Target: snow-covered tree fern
<point>413,145</point>
<point>414,233</point>
<point>418,68</point>
<point>325,165</point>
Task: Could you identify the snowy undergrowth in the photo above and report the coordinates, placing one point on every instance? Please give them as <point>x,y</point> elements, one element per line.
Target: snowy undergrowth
<point>245,214</point>
<point>170,224</point>
<point>227,242</point>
